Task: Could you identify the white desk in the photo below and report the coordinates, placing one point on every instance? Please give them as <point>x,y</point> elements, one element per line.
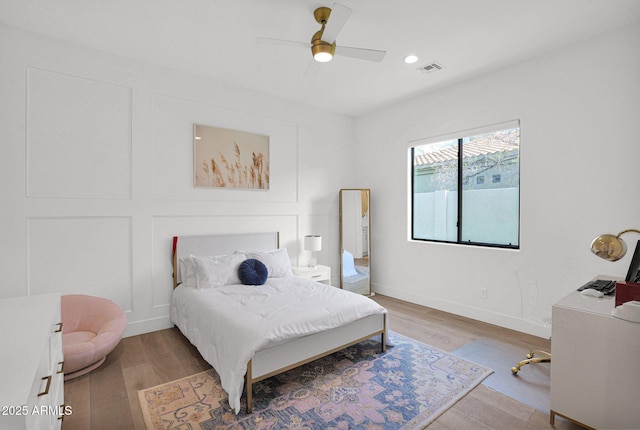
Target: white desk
<point>595,367</point>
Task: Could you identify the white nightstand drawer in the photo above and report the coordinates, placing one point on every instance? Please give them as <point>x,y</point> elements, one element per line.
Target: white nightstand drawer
<point>319,273</point>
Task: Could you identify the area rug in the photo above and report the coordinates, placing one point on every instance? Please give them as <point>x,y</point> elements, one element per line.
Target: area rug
<point>407,387</point>
<point>531,386</point>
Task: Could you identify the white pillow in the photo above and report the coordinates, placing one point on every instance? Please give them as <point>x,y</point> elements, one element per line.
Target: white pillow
<point>277,261</point>
<point>187,270</point>
<point>217,271</point>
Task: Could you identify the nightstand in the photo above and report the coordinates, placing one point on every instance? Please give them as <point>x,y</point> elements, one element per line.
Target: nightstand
<point>319,273</point>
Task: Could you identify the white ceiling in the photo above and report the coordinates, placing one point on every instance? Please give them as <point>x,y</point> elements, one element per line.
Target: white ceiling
<point>217,39</point>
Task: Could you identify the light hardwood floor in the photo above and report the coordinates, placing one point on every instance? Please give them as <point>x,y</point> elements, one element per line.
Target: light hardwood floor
<point>107,397</point>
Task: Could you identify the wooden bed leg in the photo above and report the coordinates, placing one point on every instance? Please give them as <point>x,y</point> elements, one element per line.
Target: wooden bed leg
<point>249,389</point>
<point>383,335</point>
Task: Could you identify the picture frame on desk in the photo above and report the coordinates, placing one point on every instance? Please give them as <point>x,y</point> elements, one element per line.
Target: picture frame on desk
<point>627,292</point>
<point>629,289</point>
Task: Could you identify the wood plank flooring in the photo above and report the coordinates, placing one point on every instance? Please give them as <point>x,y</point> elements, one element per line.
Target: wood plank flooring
<point>107,398</point>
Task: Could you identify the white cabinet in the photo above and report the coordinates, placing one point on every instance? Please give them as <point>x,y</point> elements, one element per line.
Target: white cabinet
<point>319,273</point>
<point>32,388</point>
<point>595,371</point>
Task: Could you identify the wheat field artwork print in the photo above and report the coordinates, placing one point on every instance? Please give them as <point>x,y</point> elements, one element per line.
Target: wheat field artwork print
<point>226,158</point>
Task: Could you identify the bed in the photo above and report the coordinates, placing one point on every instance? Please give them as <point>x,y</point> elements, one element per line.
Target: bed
<point>252,332</point>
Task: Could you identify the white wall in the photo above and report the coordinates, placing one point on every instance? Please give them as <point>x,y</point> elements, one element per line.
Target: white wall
<point>97,173</point>
<point>579,109</point>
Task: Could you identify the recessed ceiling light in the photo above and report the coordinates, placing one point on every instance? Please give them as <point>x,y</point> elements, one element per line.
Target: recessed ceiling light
<point>410,59</point>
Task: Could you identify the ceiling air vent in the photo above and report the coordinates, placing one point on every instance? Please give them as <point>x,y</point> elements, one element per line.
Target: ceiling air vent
<point>431,67</point>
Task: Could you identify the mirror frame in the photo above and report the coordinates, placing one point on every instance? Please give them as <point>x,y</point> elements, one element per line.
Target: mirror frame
<point>341,250</point>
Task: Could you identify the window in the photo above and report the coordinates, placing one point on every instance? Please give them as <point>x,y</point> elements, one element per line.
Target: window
<point>450,199</point>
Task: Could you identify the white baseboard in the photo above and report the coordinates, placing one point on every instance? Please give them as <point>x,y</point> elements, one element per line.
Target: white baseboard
<point>495,318</point>
<point>147,326</point>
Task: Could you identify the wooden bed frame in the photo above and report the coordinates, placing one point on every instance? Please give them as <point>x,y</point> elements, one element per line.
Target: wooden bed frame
<point>282,357</point>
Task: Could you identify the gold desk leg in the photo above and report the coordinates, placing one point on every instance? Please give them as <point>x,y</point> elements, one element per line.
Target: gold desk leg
<point>552,418</point>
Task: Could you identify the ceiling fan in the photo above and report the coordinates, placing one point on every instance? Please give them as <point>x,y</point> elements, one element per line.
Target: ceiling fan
<point>323,43</point>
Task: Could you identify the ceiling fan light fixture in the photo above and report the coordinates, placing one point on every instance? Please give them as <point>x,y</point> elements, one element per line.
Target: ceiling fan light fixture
<point>323,57</point>
<point>323,52</point>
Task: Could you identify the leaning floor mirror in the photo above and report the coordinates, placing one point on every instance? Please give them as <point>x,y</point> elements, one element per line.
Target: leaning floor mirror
<point>355,248</point>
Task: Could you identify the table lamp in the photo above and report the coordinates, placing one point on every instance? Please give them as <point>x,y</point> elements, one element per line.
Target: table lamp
<point>312,243</point>
<point>611,247</point>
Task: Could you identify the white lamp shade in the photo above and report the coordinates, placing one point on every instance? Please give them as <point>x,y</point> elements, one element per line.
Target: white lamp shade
<point>312,243</point>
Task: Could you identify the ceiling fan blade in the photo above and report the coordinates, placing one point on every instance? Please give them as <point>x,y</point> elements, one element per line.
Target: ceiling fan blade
<point>283,42</point>
<point>361,53</point>
<point>312,69</point>
<point>338,18</point>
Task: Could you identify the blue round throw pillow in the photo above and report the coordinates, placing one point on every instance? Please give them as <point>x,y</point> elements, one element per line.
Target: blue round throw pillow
<point>253,272</point>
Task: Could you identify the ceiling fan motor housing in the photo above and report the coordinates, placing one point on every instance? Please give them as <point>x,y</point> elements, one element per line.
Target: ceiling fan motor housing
<point>322,51</point>
<point>319,46</point>
<point>321,15</point>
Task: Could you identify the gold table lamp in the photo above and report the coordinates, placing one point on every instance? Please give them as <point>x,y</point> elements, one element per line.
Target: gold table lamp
<point>611,247</point>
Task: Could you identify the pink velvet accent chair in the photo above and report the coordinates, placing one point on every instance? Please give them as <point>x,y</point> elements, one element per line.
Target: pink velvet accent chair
<point>91,329</point>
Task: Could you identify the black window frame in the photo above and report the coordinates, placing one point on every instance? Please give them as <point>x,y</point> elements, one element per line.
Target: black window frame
<point>460,190</point>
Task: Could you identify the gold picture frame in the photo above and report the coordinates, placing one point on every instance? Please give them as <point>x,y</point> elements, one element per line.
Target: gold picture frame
<point>230,159</point>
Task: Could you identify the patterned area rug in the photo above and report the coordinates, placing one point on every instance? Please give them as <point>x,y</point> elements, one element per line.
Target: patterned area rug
<point>407,387</point>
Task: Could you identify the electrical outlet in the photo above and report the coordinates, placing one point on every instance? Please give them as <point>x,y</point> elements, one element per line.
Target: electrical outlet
<point>483,293</point>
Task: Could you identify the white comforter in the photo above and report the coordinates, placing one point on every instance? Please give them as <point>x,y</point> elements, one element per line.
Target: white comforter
<point>229,324</point>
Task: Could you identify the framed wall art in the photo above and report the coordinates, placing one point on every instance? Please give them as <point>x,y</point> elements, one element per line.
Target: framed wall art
<point>230,159</point>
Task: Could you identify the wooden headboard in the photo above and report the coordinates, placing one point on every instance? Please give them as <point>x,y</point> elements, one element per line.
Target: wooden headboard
<point>220,244</point>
